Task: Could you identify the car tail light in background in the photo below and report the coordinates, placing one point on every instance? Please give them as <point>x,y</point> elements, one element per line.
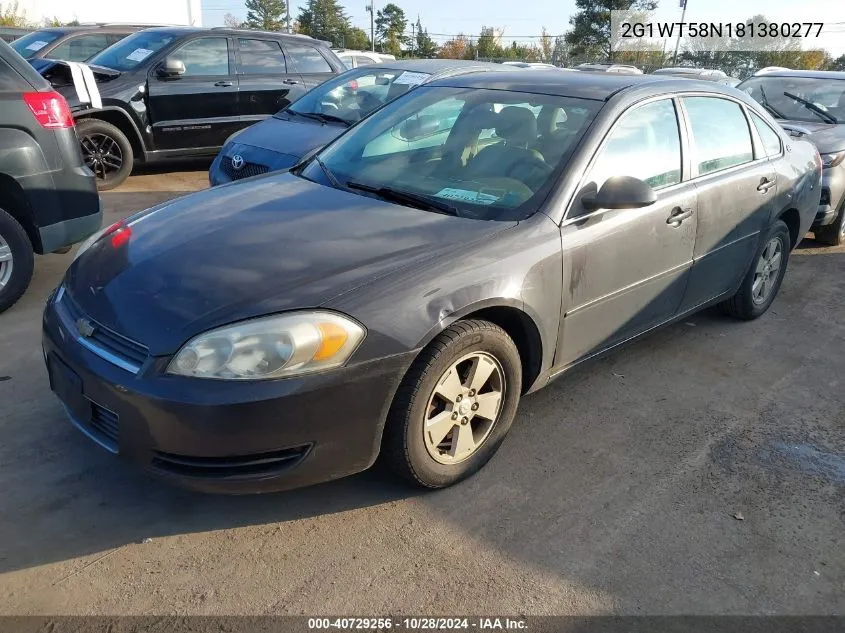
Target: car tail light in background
<point>353,84</point>
<point>120,234</point>
<point>49,108</point>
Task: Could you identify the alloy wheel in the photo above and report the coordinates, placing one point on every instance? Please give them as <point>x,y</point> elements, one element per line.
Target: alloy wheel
<point>102,154</point>
<point>464,407</point>
<point>766,273</point>
<point>6,263</point>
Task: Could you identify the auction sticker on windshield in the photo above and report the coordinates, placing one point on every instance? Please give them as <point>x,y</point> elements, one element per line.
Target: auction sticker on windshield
<point>36,46</point>
<point>139,54</point>
<point>463,195</point>
<point>409,78</point>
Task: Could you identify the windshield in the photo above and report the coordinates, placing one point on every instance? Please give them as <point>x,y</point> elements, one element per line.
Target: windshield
<point>31,43</point>
<point>131,51</point>
<point>490,154</point>
<point>825,98</point>
<point>355,94</point>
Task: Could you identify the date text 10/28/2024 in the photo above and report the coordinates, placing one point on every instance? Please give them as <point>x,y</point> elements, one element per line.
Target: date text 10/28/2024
<point>417,624</point>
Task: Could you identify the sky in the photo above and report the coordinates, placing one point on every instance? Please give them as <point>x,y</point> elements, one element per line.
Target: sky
<point>444,18</point>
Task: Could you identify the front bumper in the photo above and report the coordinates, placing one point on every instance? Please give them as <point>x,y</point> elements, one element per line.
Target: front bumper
<point>832,197</point>
<point>223,436</point>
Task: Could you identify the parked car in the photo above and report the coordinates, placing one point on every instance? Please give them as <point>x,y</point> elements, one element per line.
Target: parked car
<point>709,74</point>
<point>70,43</point>
<point>326,112</point>
<point>619,69</point>
<point>9,34</point>
<point>181,91</point>
<point>534,65</point>
<point>354,59</point>
<point>386,298</point>
<point>48,199</point>
<point>811,105</point>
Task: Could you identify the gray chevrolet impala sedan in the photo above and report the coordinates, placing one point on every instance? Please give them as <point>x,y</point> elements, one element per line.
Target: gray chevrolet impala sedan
<point>398,292</point>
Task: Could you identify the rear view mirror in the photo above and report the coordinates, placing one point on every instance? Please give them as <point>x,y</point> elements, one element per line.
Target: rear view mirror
<point>419,127</point>
<point>171,67</point>
<point>621,192</point>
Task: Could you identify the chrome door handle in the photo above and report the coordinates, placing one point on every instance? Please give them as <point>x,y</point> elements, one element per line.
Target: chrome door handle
<point>678,216</point>
<point>765,185</point>
<point>223,84</point>
<point>290,82</point>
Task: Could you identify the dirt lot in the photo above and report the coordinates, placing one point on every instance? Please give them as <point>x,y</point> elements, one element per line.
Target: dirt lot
<point>619,490</point>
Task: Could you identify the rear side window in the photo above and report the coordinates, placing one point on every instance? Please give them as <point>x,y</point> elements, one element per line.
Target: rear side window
<point>307,59</point>
<point>10,80</point>
<point>205,56</point>
<point>260,56</point>
<point>770,138</point>
<point>80,48</point>
<point>645,143</point>
<point>720,133</point>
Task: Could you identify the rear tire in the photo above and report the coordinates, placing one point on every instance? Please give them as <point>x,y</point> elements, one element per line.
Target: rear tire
<point>107,152</point>
<point>473,420</point>
<point>762,282</point>
<point>834,233</point>
<point>16,261</point>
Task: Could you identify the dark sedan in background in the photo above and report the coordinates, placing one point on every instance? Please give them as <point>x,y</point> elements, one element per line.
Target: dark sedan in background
<point>397,300</point>
<point>324,113</point>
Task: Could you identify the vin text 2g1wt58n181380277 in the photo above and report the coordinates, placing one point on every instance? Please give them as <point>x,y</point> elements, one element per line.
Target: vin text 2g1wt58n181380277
<point>397,299</point>
<point>181,91</point>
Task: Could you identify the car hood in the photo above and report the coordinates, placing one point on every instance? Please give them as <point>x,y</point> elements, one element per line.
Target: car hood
<point>247,249</point>
<point>294,136</point>
<point>827,137</point>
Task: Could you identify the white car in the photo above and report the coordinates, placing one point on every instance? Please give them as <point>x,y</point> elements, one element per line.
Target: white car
<point>354,59</point>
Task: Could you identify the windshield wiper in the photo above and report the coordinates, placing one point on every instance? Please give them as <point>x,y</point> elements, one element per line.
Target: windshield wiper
<point>420,201</point>
<point>769,107</point>
<point>332,178</point>
<point>812,107</point>
<point>322,118</point>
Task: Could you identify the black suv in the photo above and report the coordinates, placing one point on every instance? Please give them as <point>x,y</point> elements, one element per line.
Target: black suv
<point>48,199</point>
<point>182,91</point>
<point>70,43</point>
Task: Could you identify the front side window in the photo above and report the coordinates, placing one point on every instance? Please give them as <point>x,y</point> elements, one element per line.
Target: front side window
<point>131,51</point>
<point>307,59</point>
<point>204,57</point>
<point>260,56</point>
<point>770,138</point>
<point>721,137</point>
<point>80,48</point>
<point>645,143</point>
<point>31,43</point>
<point>429,144</point>
<point>356,94</point>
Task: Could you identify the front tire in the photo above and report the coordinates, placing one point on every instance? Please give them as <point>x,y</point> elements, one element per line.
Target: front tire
<point>454,406</point>
<point>106,151</point>
<point>16,261</point>
<point>762,283</point>
<point>834,233</point>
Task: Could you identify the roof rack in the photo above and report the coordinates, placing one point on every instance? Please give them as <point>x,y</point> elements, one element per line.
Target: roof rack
<point>138,24</point>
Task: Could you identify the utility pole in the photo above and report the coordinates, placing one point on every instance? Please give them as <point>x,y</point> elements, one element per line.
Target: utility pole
<point>413,39</point>
<point>372,9</point>
<point>678,41</point>
<point>287,6</point>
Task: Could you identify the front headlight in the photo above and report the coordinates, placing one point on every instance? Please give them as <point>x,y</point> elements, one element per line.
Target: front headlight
<point>832,160</point>
<point>270,347</point>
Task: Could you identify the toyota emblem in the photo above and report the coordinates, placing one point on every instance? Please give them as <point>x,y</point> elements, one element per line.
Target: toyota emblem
<point>238,162</point>
<point>85,327</point>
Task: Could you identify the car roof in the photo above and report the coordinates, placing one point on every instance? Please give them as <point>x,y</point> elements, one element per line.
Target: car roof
<point>437,67</point>
<point>222,30</point>
<point>809,74</point>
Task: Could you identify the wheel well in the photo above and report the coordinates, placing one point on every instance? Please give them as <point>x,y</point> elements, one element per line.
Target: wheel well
<point>122,123</point>
<point>13,201</point>
<point>522,329</point>
<point>792,219</point>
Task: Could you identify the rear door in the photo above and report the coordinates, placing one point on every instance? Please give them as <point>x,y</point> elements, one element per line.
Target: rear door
<point>199,109</point>
<point>267,81</point>
<point>737,188</point>
<point>309,62</point>
<point>625,270</point>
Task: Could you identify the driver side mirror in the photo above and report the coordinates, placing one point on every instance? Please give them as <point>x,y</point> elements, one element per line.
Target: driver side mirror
<point>171,67</point>
<point>620,192</point>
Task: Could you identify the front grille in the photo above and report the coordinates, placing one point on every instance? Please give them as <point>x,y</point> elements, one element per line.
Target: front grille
<point>230,467</point>
<point>248,170</point>
<point>104,342</point>
<point>105,423</point>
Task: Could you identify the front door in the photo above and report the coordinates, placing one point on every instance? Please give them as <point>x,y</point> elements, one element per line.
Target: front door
<point>198,109</point>
<point>736,192</point>
<point>267,81</point>
<point>309,63</point>
<point>625,271</point>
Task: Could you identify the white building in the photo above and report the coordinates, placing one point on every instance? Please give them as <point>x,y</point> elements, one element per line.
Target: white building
<point>187,12</point>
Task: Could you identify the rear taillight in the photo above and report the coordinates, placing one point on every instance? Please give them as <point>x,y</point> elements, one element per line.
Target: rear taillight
<point>49,108</point>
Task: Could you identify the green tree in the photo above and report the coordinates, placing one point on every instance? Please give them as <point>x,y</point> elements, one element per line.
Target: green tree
<point>266,15</point>
<point>11,15</point>
<point>390,29</point>
<point>560,51</point>
<point>231,21</point>
<point>356,38</point>
<point>837,64</point>
<point>590,35</point>
<point>326,20</point>
<point>488,46</point>
<point>426,47</point>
